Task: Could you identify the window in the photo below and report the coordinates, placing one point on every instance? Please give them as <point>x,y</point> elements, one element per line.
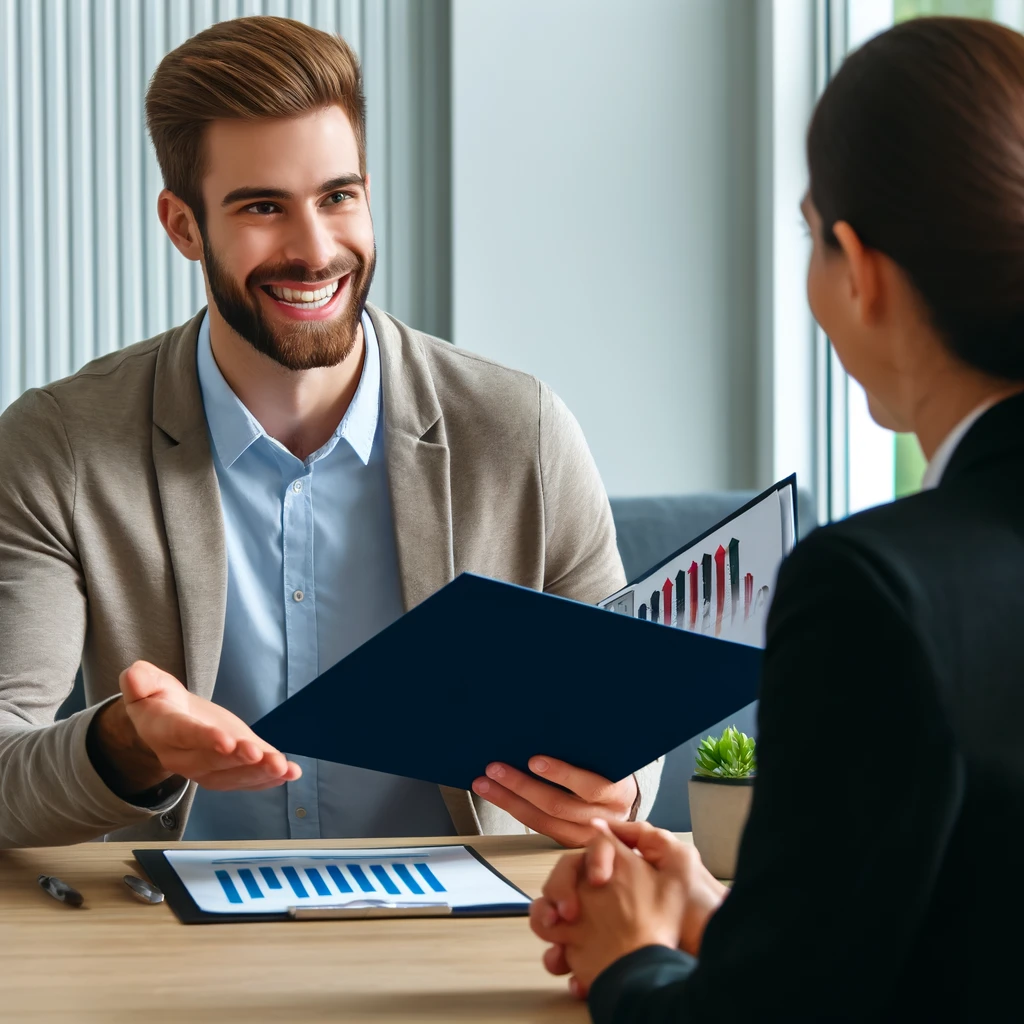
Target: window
<point>867,465</point>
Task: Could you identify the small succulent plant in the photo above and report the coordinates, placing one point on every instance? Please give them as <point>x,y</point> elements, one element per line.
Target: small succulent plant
<point>730,756</point>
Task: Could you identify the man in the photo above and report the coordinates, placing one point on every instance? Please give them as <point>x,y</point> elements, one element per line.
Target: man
<point>237,504</point>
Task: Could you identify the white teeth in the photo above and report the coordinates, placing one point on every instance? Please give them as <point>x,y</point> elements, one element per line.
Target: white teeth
<point>309,300</point>
<point>307,305</point>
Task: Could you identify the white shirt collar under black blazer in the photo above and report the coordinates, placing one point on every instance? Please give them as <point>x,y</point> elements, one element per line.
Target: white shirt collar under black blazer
<point>940,460</point>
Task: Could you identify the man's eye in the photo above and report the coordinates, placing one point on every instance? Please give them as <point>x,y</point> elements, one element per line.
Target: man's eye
<point>335,198</point>
<point>262,208</point>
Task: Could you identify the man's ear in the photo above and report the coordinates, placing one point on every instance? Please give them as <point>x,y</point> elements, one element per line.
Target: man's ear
<point>180,225</point>
<point>865,282</point>
<point>366,188</point>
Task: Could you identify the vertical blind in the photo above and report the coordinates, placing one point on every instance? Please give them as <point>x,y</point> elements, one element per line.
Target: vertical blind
<point>85,267</point>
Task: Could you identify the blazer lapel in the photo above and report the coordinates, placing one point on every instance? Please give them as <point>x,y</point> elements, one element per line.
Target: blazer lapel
<point>417,463</point>
<point>190,501</point>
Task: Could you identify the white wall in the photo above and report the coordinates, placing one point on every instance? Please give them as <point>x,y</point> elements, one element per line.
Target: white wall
<point>603,222</point>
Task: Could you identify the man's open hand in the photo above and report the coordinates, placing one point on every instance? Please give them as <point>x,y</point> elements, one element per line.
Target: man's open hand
<point>550,810</point>
<point>160,730</point>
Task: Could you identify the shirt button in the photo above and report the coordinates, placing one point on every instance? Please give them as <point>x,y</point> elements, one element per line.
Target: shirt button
<point>298,595</point>
<point>297,486</point>
<point>300,812</point>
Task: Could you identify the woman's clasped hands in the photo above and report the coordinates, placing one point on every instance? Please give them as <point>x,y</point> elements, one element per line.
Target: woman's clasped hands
<point>633,886</point>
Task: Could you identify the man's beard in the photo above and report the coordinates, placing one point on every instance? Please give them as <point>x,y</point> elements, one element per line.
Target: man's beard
<point>305,345</point>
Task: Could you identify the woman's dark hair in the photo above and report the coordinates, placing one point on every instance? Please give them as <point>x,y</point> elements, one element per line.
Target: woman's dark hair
<point>918,143</point>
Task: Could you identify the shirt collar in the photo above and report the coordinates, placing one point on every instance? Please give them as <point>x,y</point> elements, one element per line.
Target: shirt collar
<point>940,460</point>
<point>233,428</point>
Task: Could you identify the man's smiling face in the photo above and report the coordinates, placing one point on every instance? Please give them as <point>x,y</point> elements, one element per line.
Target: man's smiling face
<point>288,248</point>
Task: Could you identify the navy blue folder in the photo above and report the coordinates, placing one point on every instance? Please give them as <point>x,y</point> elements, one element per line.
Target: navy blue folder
<point>487,671</point>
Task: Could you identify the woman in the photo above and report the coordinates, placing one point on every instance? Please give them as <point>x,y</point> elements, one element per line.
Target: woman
<point>877,878</point>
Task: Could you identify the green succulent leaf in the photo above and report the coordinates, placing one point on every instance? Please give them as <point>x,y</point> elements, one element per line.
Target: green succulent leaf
<point>729,756</point>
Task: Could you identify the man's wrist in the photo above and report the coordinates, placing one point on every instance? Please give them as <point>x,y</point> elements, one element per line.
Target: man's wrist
<point>128,767</point>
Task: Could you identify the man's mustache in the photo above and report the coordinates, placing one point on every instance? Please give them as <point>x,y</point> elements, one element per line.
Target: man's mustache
<point>301,275</point>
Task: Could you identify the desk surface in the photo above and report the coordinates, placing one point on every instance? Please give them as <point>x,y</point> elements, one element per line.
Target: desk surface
<point>117,960</point>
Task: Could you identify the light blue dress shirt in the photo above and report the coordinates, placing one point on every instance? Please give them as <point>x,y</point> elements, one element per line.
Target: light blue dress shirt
<point>312,574</point>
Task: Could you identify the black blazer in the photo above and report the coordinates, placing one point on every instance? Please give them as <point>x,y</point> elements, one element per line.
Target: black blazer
<point>881,874</point>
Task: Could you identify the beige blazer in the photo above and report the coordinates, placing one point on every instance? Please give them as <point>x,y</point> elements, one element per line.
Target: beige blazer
<point>112,545</point>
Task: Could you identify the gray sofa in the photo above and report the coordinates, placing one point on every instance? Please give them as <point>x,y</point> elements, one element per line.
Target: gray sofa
<point>648,530</point>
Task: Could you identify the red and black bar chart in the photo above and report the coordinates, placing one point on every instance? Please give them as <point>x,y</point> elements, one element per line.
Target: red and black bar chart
<point>721,585</point>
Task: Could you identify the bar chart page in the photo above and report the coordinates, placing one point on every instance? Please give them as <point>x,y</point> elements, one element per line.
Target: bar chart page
<point>269,881</point>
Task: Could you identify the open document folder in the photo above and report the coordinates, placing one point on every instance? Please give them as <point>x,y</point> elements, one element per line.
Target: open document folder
<point>487,671</point>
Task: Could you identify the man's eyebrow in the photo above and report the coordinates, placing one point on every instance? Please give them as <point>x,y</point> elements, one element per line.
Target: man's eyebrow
<point>254,192</point>
<point>345,181</point>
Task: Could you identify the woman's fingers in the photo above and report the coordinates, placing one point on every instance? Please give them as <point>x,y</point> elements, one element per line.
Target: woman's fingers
<point>560,888</point>
<point>653,844</point>
<point>554,960</point>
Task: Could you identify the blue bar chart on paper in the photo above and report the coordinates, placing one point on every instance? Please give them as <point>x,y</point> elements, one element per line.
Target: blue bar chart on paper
<point>272,881</point>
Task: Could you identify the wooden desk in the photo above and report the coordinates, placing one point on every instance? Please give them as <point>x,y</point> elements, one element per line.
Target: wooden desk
<point>117,960</point>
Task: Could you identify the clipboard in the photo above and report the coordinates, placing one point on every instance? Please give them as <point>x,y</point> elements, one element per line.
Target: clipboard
<point>185,908</point>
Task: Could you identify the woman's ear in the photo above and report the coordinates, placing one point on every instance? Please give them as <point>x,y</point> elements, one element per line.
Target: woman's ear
<point>864,274</point>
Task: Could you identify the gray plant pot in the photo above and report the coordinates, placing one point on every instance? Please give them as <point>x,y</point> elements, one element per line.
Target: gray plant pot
<point>718,814</point>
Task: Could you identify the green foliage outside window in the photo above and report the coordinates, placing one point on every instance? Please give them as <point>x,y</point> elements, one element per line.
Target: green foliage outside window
<point>910,465</point>
<point>904,10</point>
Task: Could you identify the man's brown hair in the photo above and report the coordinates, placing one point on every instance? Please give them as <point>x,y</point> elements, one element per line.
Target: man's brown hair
<point>247,68</point>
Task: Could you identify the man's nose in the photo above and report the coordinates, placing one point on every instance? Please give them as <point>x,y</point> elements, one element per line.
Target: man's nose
<point>311,244</point>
